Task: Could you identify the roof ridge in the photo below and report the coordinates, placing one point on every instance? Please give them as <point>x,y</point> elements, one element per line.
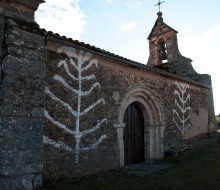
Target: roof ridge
<point>132,63</point>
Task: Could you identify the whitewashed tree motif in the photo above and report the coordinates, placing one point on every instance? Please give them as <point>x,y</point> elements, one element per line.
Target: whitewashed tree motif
<point>181,116</point>
<point>79,63</point>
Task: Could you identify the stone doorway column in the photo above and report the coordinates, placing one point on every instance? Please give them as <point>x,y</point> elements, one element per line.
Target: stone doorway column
<point>155,134</point>
<point>120,131</point>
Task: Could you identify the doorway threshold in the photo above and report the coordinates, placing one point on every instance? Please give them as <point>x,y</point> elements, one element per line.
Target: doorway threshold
<point>146,168</point>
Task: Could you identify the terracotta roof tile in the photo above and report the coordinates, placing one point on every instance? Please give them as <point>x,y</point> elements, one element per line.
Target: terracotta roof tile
<point>120,59</point>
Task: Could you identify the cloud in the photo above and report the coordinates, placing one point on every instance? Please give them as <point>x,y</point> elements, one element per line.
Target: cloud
<point>65,18</point>
<point>128,25</point>
<point>106,1</point>
<point>132,3</point>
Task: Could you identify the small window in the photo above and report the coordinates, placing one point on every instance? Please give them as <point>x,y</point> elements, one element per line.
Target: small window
<point>163,51</point>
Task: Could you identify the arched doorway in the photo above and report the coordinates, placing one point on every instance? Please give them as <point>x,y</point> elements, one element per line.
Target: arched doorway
<point>133,134</point>
<point>153,122</point>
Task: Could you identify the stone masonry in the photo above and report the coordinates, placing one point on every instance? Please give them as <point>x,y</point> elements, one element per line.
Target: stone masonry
<point>22,73</point>
<point>63,102</point>
<point>151,87</point>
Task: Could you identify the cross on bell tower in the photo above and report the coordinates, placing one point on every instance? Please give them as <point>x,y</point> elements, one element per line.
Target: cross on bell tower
<point>163,44</point>
<point>159,3</point>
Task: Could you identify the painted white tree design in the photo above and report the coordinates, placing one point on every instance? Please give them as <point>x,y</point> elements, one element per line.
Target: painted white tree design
<point>181,116</point>
<point>80,65</point>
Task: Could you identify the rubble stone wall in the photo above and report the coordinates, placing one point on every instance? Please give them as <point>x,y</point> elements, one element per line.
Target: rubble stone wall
<point>62,104</point>
<point>185,109</point>
<point>22,73</point>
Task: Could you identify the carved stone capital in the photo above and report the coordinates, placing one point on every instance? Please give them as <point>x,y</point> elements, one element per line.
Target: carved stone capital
<point>119,125</point>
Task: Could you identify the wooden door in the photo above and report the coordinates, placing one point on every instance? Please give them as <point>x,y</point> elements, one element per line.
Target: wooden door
<point>133,134</point>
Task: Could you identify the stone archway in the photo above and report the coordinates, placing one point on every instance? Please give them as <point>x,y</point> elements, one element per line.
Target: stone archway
<point>153,122</point>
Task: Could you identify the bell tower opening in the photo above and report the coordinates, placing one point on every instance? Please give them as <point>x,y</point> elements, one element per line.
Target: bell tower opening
<point>163,44</point>
<point>163,51</point>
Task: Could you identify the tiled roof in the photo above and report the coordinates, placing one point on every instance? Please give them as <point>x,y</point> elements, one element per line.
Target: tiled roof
<point>55,37</point>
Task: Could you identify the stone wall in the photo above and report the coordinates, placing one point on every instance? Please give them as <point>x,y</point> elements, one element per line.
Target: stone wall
<point>22,72</point>
<point>97,148</point>
<point>109,81</point>
<point>73,97</point>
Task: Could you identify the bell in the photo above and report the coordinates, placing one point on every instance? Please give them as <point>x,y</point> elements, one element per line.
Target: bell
<point>163,53</point>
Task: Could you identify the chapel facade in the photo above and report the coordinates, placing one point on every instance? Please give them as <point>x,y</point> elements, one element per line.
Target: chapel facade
<point>69,109</point>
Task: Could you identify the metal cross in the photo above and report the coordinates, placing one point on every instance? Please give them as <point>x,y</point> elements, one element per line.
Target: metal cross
<point>159,3</point>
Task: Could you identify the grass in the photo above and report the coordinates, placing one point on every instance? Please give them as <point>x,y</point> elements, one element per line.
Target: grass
<point>194,170</point>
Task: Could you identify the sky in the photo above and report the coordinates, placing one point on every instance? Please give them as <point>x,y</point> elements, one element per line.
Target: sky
<point>122,27</point>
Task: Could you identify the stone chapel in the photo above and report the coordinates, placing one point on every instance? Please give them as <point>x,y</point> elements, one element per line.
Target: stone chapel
<point>69,109</point>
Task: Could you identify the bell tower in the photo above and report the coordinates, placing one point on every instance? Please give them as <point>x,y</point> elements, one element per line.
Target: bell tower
<point>163,44</point>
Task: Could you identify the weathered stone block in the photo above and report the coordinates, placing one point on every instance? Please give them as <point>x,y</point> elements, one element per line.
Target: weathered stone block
<point>7,110</point>
<point>9,8</point>
<point>22,182</point>
<point>7,143</point>
<point>7,95</point>
<point>9,158</point>
<point>32,156</point>
<point>30,143</point>
<point>31,54</point>
<point>36,167</point>
<point>18,52</point>
<point>24,38</point>
<point>7,171</point>
<point>22,127</point>
<point>5,184</point>
<point>38,85</point>
<point>26,182</point>
<point>37,112</point>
